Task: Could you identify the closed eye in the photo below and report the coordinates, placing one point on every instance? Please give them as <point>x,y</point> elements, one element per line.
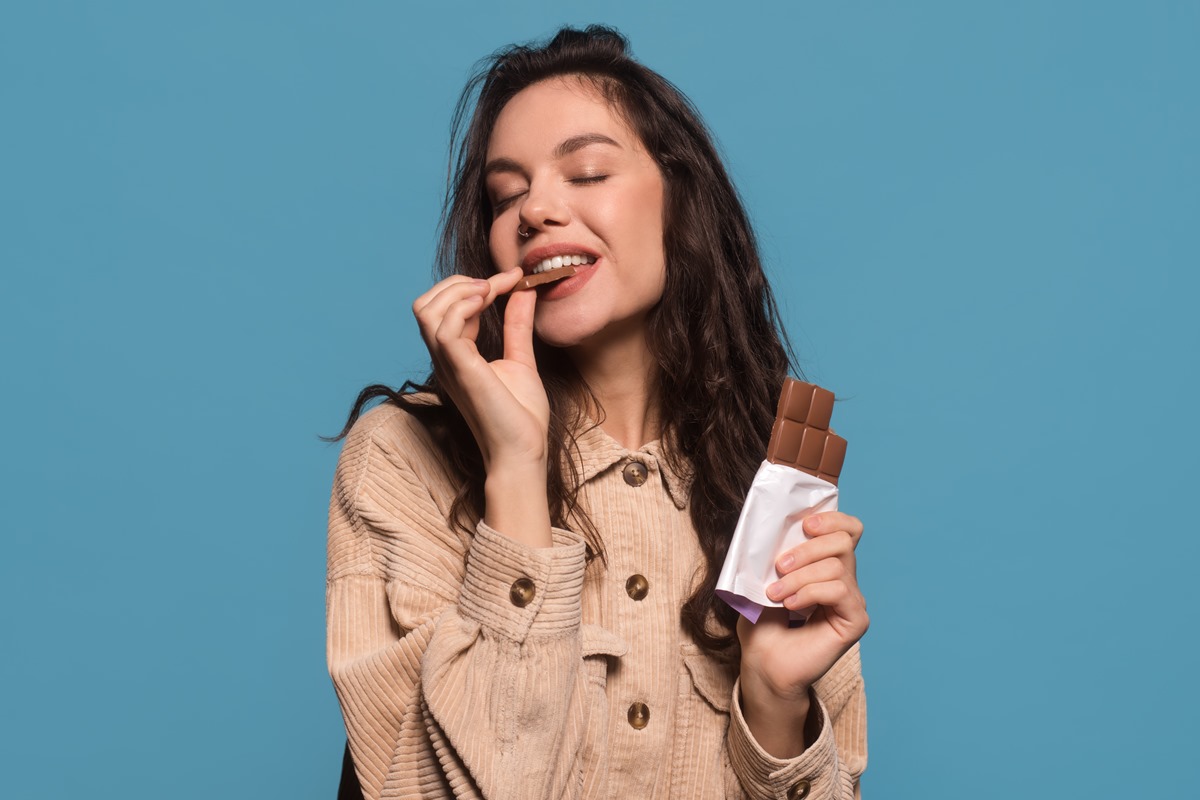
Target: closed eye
<point>505,202</point>
<point>586,180</point>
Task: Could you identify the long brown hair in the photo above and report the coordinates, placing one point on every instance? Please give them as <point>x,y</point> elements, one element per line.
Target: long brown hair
<point>722,353</point>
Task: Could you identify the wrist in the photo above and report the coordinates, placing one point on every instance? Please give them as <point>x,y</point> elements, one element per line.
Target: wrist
<point>515,504</point>
<point>784,725</point>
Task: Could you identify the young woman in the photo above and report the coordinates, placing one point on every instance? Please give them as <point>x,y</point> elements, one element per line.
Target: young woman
<point>523,550</point>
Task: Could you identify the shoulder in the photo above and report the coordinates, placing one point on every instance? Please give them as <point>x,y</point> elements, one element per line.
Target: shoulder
<point>389,440</point>
<point>388,424</point>
<point>393,497</point>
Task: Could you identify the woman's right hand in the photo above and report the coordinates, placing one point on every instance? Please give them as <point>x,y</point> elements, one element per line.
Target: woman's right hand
<point>503,401</point>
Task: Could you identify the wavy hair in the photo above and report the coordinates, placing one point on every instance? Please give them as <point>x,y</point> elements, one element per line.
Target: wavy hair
<point>721,350</point>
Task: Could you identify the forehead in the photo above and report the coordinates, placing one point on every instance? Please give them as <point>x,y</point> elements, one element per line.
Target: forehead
<point>542,115</point>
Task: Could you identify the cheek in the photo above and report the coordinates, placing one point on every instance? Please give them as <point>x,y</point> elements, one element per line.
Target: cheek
<point>655,258</point>
<point>648,217</point>
<point>647,211</point>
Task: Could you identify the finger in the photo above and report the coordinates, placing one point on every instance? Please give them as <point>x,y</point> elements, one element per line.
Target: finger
<point>838,605</point>
<point>435,305</point>
<point>498,285</point>
<point>449,336</point>
<point>838,544</point>
<point>454,314</point>
<point>831,521</point>
<point>827,569</point>
<point>503,282</point>
<point>424,300</point>
<point>840,596</point>
<point>518,328</point>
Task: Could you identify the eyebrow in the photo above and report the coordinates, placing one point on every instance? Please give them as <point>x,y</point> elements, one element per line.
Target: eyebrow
<point>564,148</point>
<point>568,146</point>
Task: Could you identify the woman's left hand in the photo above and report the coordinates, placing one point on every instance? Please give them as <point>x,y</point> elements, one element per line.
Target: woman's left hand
<point>780,664</point>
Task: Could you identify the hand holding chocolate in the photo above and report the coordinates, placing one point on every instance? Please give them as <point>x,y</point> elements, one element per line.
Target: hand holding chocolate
<point>798,478</point>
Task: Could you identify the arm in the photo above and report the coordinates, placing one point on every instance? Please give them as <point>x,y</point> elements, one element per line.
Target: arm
<point>502,401</point>
<point>799,711</point>
<point>448,685</point>
<point>836,753</point>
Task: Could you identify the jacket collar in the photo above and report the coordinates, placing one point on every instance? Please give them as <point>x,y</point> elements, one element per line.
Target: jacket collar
<point>598,452</point>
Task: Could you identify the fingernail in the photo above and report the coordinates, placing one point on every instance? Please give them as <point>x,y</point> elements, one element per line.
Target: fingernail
<point>480,282</point>
<point>813,523</point>
<point>774,590</point>
<point>786,562</point>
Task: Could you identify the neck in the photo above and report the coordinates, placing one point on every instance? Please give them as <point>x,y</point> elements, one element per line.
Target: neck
<point>622,375</point>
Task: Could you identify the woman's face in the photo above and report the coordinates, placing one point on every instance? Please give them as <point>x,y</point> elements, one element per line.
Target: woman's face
<point>566,166</point>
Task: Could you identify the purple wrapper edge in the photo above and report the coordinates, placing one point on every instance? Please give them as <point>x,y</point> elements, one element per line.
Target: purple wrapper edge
<point>747,608</point>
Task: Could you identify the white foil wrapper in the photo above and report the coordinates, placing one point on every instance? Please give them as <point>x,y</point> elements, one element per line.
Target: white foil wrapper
<point>779,499</point>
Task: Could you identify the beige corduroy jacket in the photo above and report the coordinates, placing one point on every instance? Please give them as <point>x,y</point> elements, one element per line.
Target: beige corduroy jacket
<point>476,667</point>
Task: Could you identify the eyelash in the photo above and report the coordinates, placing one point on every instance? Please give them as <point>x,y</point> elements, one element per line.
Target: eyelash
<point>589,180</point>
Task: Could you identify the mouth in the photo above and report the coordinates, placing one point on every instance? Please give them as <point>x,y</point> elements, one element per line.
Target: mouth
<point>559,261</point>
<point>553,262</point>
<point>557,255</point>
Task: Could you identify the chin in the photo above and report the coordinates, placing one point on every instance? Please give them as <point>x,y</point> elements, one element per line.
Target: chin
<point>560,333</point>
<point>560,339</point>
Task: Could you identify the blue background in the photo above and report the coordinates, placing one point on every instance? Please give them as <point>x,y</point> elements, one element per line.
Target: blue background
<point>981,219</point>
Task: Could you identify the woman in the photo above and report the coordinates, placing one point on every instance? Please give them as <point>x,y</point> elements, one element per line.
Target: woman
<point>522,554</point>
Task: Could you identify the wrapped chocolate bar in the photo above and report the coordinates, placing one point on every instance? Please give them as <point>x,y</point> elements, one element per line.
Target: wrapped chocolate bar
<point>798,478</point>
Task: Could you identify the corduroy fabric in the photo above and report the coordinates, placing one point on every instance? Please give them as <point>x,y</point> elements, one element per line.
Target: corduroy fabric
<point>449,689</point>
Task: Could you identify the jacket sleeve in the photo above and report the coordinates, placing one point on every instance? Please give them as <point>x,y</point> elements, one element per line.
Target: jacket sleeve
<point>830,768</point>
<point>458,660</point>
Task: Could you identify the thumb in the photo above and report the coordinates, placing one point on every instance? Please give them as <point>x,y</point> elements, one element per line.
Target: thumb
<point>518,328</point>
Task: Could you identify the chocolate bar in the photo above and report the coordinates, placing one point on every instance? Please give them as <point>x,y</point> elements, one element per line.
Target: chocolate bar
<point>801,437</point>
<point>538,278</point>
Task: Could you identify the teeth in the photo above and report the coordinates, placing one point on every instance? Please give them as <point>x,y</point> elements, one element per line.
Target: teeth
<point>563,261</point>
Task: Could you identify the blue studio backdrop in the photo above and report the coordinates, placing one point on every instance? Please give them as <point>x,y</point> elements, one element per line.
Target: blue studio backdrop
<point>980,219</point>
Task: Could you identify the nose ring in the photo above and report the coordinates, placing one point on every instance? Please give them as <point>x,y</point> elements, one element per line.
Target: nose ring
<point>522,231</point>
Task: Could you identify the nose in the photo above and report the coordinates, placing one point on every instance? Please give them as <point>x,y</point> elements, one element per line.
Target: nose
<point>544,207</point>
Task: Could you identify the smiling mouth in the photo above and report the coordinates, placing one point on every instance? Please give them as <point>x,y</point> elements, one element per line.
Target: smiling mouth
<point>557,262</point>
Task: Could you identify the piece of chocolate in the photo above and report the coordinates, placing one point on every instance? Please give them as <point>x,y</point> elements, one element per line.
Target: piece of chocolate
<point>801,437</point>
<point>538,278</point>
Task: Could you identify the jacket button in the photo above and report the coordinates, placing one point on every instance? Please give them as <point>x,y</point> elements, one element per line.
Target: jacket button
<point>639,716</point>
<point>799,791</point>
<point>522,592</point>
<point>637,586</point>
<point>635,473</point>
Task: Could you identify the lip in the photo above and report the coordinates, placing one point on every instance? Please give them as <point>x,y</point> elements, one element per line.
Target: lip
<point>540,254</point>
<point>567,286</point>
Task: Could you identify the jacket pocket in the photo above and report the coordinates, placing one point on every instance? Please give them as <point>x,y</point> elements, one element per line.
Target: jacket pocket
<point>600,648</point>
<point>711,679</point>
<point>599,645</point>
